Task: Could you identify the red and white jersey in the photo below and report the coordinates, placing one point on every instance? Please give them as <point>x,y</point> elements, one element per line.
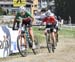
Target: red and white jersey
<point>50,19</point>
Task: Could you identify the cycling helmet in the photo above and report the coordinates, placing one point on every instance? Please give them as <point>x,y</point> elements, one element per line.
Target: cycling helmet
<point>22,9</point>
<point>49,13</point>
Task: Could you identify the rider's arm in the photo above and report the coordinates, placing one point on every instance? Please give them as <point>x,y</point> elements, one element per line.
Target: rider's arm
<point>15,19</point>
<point>17,16</point>
<point>29,15</point>
<point>44,20</point>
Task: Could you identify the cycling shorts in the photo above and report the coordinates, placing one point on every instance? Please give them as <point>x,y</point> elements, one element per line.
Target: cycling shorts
<point>51,27</point>
<point>27,23</point>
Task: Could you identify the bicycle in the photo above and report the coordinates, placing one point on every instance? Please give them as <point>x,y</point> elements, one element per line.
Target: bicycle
<point>21,48</point>
<point>50,43</point>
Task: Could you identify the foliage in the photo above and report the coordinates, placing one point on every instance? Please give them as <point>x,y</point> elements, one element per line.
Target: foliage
<point>65,8</point>
<point>1,11</point>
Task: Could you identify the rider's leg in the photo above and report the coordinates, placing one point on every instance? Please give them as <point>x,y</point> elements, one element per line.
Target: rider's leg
<point>32,37</point>
<point>56,35</point>
<point>53,37</point>
<point>56,32</point>
<point>25,40</point>
<point>20,40</point>
<point>24,37</point>
<point>31,33</point>
<point>45,32</point>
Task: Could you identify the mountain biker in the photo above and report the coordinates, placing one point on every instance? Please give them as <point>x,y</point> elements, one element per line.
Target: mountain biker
<point>27,19</point>
<point>50,22</point>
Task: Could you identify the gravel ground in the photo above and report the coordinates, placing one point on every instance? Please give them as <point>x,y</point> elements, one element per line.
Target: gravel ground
<point>65,52</point>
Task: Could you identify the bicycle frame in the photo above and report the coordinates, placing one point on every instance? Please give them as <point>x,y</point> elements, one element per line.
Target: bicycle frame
<point>29,42</point>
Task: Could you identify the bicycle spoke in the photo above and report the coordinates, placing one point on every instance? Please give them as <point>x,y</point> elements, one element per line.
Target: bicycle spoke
<point>21,47</point>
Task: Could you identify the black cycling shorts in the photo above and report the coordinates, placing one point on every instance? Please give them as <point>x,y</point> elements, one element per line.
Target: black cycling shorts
<point>52,27</point>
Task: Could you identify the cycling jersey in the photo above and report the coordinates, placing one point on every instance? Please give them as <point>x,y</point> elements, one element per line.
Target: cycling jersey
<point>50,20</point>
<point>23,16</point>
<point>25,21</point>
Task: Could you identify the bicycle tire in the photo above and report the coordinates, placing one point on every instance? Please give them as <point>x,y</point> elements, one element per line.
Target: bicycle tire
<point>37,50</point>
<point>23,52</point>
<point>53,48</point>
<point>49,46</point>
<point>54,44</point>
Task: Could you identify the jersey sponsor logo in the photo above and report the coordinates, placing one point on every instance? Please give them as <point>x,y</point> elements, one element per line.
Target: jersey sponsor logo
<point>19,3</point>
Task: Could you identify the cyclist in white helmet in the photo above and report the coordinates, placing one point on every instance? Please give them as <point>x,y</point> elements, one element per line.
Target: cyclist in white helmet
<point>50,21</point>
<point>27,20</point>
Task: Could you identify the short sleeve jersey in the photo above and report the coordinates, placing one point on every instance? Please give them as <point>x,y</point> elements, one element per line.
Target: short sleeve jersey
<point>22,16</point>
<point>50,19</point>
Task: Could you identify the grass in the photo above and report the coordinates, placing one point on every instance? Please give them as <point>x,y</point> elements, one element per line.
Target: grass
<point>39,33</point>
<point>64,32</point>
<point>67,32</point>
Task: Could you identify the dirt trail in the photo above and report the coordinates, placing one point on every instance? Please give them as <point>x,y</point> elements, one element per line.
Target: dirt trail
<point>65,52</point>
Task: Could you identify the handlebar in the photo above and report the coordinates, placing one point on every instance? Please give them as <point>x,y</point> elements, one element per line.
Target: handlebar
<point>38,25</point>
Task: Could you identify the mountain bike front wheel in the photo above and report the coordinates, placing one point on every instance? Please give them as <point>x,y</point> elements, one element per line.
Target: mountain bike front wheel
<point>49,45</point>
<point>21,47</point>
